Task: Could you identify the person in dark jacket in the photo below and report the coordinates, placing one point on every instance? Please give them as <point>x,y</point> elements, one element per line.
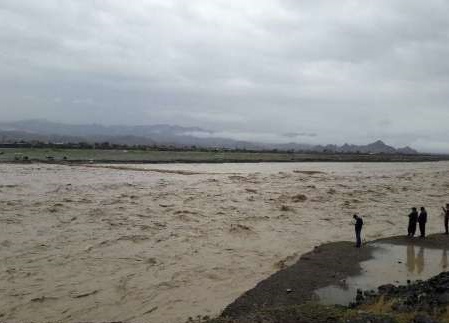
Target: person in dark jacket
<point>412,220</point>
<point>446,219</point>
<point>422,220</point>
<point>358,230</point>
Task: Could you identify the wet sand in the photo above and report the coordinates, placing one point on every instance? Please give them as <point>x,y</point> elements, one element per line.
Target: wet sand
<point>326,265</point>
<point>164,242</point>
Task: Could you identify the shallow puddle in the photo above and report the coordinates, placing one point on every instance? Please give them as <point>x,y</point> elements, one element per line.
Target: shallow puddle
<point>391,264</point>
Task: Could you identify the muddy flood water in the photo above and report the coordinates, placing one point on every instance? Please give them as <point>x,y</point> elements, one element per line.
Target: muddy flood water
<point>160,243</point>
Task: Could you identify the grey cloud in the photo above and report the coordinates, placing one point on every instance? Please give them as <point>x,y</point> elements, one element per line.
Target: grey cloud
<point>346,71</point>
<point>296,134</point>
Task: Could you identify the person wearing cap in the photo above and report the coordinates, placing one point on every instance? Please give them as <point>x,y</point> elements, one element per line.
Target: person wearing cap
<point>358,230</point>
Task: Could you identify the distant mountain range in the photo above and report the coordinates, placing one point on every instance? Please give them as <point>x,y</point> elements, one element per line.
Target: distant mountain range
<point>42,130</point>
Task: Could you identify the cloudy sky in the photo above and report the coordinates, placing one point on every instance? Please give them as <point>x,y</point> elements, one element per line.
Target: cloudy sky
<point>295,70</point>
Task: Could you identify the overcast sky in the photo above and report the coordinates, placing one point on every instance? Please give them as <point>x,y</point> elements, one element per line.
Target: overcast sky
<point>294,70</point>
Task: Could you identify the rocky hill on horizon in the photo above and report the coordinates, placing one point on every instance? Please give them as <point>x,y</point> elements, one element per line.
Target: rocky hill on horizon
<point>162,134</point>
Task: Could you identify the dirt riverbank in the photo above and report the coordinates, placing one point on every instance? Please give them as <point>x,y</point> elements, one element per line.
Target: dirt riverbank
<point>288,295</point>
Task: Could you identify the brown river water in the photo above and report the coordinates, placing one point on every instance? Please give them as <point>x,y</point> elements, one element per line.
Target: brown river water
<point>160,243</point>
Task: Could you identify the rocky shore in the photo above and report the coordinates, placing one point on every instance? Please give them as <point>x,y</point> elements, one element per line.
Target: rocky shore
<point>288,295</point>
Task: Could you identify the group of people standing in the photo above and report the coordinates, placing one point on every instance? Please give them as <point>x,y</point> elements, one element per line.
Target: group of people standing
<point>421,219</point>
<point>415,219</point>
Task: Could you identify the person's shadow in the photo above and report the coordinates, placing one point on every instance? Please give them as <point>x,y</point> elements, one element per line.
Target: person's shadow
<point>415,262</point>
<point>420,260</point>
<point>410,258</point>
<point>444,262</point>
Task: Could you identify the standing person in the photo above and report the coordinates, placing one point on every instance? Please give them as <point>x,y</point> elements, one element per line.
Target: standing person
<point>412,220</point>
<point>422,220</point>
<point>446,218</point>
<point>358,230</point>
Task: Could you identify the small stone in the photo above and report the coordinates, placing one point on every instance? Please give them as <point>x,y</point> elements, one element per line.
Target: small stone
<point>386,288</point>
<point>443,298</point>
<point>423,318</point>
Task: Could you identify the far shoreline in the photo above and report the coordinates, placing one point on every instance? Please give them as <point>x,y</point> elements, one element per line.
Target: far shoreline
<point>336,159</point>
<point>213,156</point>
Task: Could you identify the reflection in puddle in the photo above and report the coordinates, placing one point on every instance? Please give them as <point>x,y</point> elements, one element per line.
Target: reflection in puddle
<point>391,264</point>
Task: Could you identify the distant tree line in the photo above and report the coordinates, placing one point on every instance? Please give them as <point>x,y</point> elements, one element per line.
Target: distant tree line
<point>114,146</point>
<point>159,147</point>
